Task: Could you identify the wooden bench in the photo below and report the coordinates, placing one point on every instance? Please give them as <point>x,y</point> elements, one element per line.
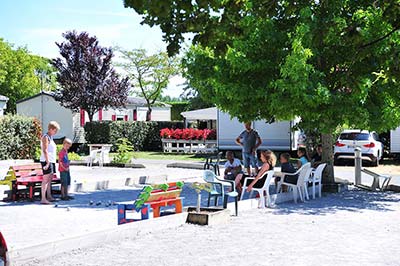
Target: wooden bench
<point>375,183</point>
<point>30,176</point>
<point>153,197</point>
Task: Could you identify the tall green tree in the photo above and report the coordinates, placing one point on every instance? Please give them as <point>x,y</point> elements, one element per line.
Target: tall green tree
<point>149,74</point>
<point>331,62</point>
<point>23,74</point>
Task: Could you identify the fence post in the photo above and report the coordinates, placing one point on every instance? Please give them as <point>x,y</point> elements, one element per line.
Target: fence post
<point>357,165</point>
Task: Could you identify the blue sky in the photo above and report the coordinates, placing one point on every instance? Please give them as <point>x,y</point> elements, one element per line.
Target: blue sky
<point>38,24</point>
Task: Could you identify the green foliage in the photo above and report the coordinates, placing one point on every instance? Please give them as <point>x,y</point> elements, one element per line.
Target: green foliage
<point>176,109</point>
<point>98,132</point>
<point>72,156</point>
<point>20,137</point>
<point>124,151</point>
<point>142,135</point>
<point>149,74</point>
<point>329,62</point>
<point>23,74</point>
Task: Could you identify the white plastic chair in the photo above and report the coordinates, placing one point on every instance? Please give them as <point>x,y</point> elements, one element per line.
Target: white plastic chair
<point>264,200</point>
<point>302,173</point>
<point>94,156</point>
<point>104,154</point>
<point>316,178</point>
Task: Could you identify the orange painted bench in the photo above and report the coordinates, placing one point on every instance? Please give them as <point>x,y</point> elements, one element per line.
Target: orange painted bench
<point>153,197</point>
<point>30,176</point>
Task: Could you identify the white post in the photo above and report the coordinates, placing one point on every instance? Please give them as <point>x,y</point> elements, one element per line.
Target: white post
<point>357,165</point>
<point>198,202</point>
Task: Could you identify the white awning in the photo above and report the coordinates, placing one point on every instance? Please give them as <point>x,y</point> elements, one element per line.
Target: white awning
<point>201,114</point>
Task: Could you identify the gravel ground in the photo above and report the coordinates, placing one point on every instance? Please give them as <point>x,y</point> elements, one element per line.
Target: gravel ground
<point>351,228</point>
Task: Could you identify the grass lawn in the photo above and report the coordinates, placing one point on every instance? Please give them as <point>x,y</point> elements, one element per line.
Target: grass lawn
<point>167,156</point>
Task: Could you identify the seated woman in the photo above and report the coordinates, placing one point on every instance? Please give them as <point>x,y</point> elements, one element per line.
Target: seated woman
<point>269,160</point>
<point>302,153</point>
<point>232,166</point>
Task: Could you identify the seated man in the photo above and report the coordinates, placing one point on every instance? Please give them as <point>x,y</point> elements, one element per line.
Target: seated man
<point>286,167</point>
<point>232,166</point>
<point>317,157</point>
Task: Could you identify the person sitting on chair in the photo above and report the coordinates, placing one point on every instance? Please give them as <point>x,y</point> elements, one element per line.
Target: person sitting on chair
<point>269,160</point>
<point>317,157</point>
<point>286,167</point>
<point>232,166</point>
<point>302,153</point>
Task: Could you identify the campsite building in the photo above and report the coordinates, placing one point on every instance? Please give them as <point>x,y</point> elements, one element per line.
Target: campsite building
<point>3,104</point>
<point>45,108</point>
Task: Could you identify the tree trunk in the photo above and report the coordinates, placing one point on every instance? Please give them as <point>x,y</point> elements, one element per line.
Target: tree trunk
<point>327,157</point>
<point>90,115</point>
<point>148,114</point>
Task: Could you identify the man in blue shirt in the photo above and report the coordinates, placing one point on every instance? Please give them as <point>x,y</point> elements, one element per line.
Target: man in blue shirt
<point>250,141</point>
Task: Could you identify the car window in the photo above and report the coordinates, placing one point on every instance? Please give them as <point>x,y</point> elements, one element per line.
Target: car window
<point>354,136</point>
<point>376,137</point>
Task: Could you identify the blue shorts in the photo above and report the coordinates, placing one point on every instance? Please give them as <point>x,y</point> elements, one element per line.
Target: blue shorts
<point>65,178</point>
<point>249,159</point>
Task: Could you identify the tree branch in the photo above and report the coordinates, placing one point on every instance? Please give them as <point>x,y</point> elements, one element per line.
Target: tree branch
<point>381,38</point>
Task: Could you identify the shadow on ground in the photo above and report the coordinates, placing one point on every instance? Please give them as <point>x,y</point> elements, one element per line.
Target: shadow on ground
<point>108,199</point>
<point>354,200</point>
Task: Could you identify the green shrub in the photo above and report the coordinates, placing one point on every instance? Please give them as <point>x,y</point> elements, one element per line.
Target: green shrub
<point>20,137</point>
<point>98,132</point>
<point>144,136</point>
<point>124,151</point>
<point>72,156</point>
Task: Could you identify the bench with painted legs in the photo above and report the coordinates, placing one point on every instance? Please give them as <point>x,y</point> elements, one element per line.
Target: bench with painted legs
<point>153,198</point>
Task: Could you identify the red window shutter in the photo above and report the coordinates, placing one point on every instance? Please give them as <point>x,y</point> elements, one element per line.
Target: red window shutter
<point>100,114</point>
<point>82,117</point>
<point>126,117</point>
<point>113,117</point>
<point>135,115</point>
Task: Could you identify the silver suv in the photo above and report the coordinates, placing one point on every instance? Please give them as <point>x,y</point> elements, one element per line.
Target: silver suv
<point>369,142</point>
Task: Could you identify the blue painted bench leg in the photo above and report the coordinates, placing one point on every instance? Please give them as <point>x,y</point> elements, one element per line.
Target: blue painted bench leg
<point>122,208</point>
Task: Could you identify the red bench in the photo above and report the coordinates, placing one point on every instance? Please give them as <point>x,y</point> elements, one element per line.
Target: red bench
<point>30,176</point>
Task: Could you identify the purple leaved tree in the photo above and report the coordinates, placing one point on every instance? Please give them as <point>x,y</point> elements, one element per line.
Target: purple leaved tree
<point>87,78</point>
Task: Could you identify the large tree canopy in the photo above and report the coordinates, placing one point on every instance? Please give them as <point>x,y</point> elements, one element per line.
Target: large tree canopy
<point>87,78</point>
<point>23,74</point>
<point>330,62</point>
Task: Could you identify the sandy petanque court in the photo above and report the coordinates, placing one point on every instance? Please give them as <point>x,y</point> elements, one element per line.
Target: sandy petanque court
<point>350,228</point>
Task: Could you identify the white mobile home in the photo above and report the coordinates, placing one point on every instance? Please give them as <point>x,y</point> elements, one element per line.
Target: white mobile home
<point>45,108</point>
<point>3,104</point>
<point>277,136</point>
<point>395,141</point>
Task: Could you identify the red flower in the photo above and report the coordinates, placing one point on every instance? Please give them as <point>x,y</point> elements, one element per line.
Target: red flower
<point>165,133</point>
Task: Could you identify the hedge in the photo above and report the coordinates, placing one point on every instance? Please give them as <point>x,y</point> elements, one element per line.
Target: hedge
<point>20,136</point>
<point>144,136</point>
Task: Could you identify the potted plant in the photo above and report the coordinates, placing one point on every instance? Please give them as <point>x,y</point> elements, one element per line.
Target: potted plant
<point>206,215</point>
